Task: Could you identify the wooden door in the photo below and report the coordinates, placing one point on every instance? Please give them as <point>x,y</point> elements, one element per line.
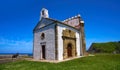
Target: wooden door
<point>69,50</point>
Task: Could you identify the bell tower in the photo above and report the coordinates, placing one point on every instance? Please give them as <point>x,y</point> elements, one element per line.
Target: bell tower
<point>44,13</point>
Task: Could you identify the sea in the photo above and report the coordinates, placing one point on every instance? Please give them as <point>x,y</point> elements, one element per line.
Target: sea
<point>29,54</point>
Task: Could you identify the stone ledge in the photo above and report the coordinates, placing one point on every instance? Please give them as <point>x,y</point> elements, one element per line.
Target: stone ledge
<point>53,61</point>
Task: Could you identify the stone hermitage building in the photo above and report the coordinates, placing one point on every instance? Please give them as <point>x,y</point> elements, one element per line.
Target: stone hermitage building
<point>58,40</point>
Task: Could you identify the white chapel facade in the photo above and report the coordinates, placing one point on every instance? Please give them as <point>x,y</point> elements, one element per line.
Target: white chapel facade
<point>58,40</point>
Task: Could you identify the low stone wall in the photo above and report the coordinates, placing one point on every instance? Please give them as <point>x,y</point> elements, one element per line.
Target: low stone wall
<point>5,56</point>
<point>8,58</point>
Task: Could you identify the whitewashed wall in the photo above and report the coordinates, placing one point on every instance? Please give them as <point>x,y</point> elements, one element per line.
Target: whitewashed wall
<point>49,32</point>
<point>62,27</point>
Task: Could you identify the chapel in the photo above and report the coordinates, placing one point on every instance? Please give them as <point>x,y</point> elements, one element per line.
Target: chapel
<point>58,40</point>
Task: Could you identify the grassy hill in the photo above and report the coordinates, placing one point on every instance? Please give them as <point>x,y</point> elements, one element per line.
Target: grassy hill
<point>108,47</point>
<point>97,62</point>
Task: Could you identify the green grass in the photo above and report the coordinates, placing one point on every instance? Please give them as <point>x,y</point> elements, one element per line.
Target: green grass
<point>97,62</point>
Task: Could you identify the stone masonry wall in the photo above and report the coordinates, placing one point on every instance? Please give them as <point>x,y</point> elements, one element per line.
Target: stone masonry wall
<point>48,41</point>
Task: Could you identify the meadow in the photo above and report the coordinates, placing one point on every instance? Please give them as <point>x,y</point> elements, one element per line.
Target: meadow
<point>97,62</point>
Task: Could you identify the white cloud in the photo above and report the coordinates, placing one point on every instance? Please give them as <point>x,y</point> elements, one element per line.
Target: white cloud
<point>15,45</point>
<point>15,42</point>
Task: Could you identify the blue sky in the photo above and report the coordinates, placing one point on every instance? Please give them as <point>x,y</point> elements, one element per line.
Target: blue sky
<point>19,17</point>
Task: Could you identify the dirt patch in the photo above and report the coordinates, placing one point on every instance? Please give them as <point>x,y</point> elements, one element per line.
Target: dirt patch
<point>5,60</point>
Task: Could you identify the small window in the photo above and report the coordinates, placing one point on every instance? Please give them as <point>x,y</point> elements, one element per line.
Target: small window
<point>42,12</point>
<point>69,31</point>
<point>42,36</point>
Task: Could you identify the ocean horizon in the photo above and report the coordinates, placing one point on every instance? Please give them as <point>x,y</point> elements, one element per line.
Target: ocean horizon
<point>29,54</point>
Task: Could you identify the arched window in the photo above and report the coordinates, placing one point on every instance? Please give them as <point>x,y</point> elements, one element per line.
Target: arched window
<point>42,36</point>
<point>69,31</point>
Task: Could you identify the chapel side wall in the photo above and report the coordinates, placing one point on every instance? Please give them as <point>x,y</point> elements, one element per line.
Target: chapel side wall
<point>36,48</point>
<point>60,40</point>
<point>48,41</point>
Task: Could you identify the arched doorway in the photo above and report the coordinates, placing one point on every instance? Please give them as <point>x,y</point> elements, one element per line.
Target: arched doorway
<point>69,50</point>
